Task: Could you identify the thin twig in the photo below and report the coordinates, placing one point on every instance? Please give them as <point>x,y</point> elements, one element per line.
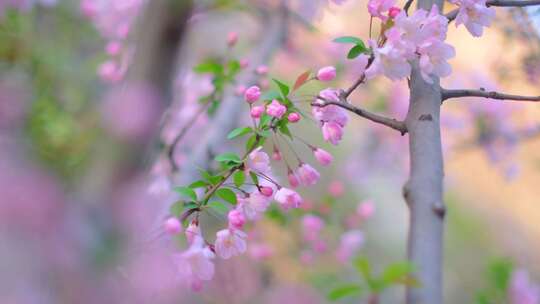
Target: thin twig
<point>359,81</point>
<point>389,122</point>
<point>499,3</point>
<point>447,94</point>
<point>407,6</point>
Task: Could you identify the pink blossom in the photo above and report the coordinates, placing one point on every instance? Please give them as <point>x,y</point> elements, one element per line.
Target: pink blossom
<point>365,209</point>
<point>293,179</point>
<point>275,109</point>
<point>376,8</point>
<point>262,70</point>
<point>260,251</point>
<point>172,226</point>
<point>332,132</point>
<point>267,191</point>
<point>308,175</point>
<point>258,160</point>
<point>195,264</point>
<point>244,63</point>
<point>293,117</point>
<point>336,188</point>
<point>113,48</point>
<point>350,242</point>
<point>110,71</point>
<point>288,198</point>
<point>389,61</point>
<point>327,73</point>
<point>312,226</point>
<point>474,14</point>
<point>254,205</point>
<point>330,112</point>
<point>236,218</point>
<point>252,94</point>
<point>324,158</point>
<point>276,155</point>
<point>433,56</point>
<point>521,290</point>
<point>394,11</point>
<point>192,232</point>
<point>257,111</point>
<point>230,242</point>
<point>240,90</point>
<point>232,38</point>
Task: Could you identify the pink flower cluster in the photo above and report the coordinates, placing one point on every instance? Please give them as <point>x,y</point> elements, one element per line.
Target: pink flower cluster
<point>522,290</point>
<point>332,118</point>
<point>474,14</point>
<point>418,36</point>
<point>114,20</point>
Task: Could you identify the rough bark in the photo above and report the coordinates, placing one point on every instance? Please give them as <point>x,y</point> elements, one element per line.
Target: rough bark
<point>424,190</point>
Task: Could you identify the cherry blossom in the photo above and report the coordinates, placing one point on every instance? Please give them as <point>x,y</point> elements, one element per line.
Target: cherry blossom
<point>195,264</point>
<point>323,157</point>
<point>230,242</point>
<point>276,109</point>
<point>259,161</point>
<point>172,226</point>
<point>474,14</point>
<point>288,198</point>
<point>252,94</point>
<point>326,74</point>
<point>308,175</point>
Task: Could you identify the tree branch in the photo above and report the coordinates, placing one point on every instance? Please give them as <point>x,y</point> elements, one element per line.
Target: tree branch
<point>407,6</point>
<point>447,94</point>
<point>499,3</point>
<point>359,81</point>
<point>389,122</point>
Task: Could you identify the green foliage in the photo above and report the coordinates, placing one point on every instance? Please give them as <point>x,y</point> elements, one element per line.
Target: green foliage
<point>186,192</point>
<point>283,88</point>
<point>358,48</point>
<point>498,276</point>
<point>239,178</point>
<point>238,132</point>
<point>227,195</point>
<point>344,291</point>
<point>219,207</point>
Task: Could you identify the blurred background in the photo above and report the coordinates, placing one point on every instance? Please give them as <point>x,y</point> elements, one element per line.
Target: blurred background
<point>93,95</point>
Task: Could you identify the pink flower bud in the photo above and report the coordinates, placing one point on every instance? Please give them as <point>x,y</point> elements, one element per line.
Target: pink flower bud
<point>244,62</point>
<point>308,175</point>
<point>365,209</point>
<point>232,38</point>
<point>326,74</point>
<point>336,188</point>
<point>239,90</point>
<point>293,180</point>
<point>288,198</point>
<point>252,94</point>
<point>113,48</point>
<point>261,70</point>
<point>264,83</point>
<point>293,117</point>
<point>267,191</point>
<point>236,219</point>
<point>276,109</point>
<point>257,111</point>
<point>323,157</point>
<point>172,226</point>
<point>394,11</point>
<point>276,156</point>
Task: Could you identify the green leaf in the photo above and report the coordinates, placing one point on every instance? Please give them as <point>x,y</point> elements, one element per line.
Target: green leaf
<point>398,273</point>
<point>187,192</point>
<point>239,178</point>
<point>177,209</point>
<point>265,133</point>
<point>499,273</point>
<point>250,143</point>
<point>285,130</point>
<point>233,67</point>
<point>239,132</point>
<point>198,184</point>
<point>301,80</point>
<point>190,205</point>
<point>254,177</point>
<point>272,94</point>
<point>283,88</point>
<point>264,121</point>
<point>344,291</point>
<point>349,39</point>
<point>362,266</point>
<point>355,51</point>
<point>228,157</point>
<point>220,207</point>
<point>227,195</point>
<point>209,67</point>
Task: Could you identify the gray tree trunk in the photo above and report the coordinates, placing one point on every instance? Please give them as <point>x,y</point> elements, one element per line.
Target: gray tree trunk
<point>423,191</point>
